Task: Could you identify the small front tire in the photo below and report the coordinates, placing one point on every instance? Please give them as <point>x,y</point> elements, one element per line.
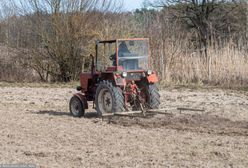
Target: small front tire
<point>76,107</point>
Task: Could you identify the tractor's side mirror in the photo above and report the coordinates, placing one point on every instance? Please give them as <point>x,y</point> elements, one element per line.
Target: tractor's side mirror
<point>92,60</point>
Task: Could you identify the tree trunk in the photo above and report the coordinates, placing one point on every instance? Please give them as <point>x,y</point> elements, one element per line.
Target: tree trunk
<point>64,73</point>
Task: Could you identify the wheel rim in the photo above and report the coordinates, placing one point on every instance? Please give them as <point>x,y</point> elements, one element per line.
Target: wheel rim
<point>105,101</point>
<point>75,106</point>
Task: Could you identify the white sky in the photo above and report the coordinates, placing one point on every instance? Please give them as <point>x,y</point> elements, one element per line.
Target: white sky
<point>130,5</point>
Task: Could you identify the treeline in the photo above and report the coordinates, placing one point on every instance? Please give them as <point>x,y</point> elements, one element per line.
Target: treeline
<point>191,41</point>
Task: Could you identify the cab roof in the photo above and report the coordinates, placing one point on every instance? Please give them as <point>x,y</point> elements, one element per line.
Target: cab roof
<point>114,41</point>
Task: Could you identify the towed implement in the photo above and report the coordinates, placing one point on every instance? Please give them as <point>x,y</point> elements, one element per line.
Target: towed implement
<point>120,81</point>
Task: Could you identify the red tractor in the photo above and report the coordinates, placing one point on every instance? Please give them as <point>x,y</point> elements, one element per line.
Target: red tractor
<point>120,79</point>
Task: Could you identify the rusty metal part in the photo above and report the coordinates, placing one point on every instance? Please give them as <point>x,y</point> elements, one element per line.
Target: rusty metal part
<point>189,109</point>
<point>149,111</point>
<point>130,113</point>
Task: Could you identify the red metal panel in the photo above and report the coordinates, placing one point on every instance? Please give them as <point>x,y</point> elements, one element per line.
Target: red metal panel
<point>84,78</point>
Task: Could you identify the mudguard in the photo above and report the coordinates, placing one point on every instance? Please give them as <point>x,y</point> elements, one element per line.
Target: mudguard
<point>82,98</point>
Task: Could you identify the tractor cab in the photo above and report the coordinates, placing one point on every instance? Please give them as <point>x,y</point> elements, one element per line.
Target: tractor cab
<point>122,55</point>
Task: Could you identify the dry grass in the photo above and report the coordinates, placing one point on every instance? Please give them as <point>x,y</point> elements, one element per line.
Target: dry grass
<point>229,68</point>
<point>10,68</point>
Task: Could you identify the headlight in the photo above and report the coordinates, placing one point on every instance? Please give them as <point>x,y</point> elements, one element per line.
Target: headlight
<point>149,72</point>
<point>124,74</point>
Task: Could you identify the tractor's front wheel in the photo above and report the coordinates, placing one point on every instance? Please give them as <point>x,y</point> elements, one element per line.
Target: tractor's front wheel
<point>152,95</point>
<point>76,107</point>
<point>109,98</point>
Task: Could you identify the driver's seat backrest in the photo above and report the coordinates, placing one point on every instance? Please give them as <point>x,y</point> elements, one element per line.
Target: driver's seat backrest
<point>131,64</point>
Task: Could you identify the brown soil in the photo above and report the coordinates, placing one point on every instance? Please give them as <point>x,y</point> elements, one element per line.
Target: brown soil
<point>35,127</point>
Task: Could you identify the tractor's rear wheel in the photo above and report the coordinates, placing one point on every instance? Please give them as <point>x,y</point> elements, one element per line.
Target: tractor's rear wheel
<point>76,107</point>
<point>152,95</point>
<point>109,98</point>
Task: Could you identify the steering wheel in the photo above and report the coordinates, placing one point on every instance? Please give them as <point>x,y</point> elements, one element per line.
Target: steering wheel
<point>112,57</point>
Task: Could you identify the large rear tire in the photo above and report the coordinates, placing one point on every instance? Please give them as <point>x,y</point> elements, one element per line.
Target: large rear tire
<point>76,107</point>
<point>152,95</point>
<point>109,98</point>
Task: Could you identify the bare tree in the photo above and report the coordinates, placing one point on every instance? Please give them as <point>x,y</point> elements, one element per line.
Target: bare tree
<point>61,32</point>
<point>199,15</point>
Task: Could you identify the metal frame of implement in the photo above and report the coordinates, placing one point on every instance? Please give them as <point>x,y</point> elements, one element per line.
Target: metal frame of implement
<point>150,111</point>
<point>130,113</point>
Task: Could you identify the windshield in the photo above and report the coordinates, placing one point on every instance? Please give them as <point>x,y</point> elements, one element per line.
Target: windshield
<point>133,54</point>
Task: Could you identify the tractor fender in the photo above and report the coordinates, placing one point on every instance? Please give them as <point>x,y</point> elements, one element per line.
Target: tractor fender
<point>152,78</point>
<point>119,81</point>
<point>82,98</point>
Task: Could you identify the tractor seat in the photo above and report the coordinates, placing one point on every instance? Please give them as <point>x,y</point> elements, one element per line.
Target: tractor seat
<point>130,64</point>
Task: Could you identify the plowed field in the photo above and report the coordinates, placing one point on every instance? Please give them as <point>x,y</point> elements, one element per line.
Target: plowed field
<point>36,128</point>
